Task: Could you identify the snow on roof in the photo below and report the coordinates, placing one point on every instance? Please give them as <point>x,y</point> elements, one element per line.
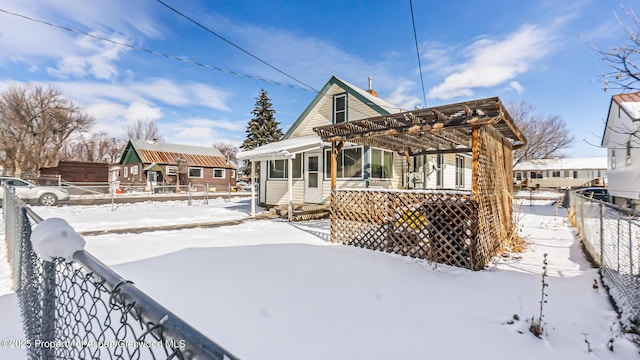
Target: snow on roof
<point>283,149</point>
<point>632,108</point>
<point>563,164</point>
<point>175,148</point>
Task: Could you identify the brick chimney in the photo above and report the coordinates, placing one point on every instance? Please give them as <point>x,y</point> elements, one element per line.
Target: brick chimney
<point>371,91</point>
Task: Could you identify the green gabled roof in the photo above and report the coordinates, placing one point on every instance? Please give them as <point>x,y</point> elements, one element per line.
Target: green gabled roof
<point>378,105</point>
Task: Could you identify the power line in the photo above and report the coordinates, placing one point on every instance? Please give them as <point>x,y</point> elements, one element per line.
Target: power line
<point>234,45</point>
<point>181,59</point>
<point>157,53</point>
<point>200,25</point>
<point>415,38</point>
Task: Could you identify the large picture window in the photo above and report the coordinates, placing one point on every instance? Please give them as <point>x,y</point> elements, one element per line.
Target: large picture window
<point>381,164</point>
<point>278,169</point>
<point>349,163</point>
<point>195,172</point>
<point>340,108</point>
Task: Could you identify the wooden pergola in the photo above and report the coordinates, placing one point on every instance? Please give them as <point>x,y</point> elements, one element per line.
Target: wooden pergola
<point>483,128</point>
<point>443,129</point>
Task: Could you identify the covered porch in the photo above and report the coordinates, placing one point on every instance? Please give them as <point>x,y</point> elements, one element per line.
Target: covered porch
<point>286,151</point>
<point>461,228</point>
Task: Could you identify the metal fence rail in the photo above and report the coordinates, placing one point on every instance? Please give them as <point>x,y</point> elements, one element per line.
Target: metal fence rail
<point>84,310</point>
<point>611,235</point>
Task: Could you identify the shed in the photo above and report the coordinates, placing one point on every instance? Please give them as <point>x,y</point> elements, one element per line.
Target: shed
<point>461,228</point>
<point>78,171</point>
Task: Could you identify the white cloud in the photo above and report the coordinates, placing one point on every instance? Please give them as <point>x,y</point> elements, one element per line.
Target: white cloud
<point>221,124</point>
<point>493,62</point>
<point>141,111</point>
<point>401,98</point>
<point>516,86</point>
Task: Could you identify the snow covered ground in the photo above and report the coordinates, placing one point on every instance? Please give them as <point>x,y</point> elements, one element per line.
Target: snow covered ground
<point>268,289</point>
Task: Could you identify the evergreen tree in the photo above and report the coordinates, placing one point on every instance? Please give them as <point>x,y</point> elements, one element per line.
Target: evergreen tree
<point>263,127</point>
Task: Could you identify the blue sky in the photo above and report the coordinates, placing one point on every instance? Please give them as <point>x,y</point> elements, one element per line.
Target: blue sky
<point>537,51</point>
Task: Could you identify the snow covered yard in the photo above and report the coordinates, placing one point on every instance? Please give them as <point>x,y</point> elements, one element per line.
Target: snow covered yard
<point>274,290</point>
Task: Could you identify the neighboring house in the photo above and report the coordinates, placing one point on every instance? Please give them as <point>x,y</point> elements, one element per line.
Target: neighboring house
<point>357,166</point>
<point>151,164</point>
<point>623,149</point>
<point>77,171</point>
<point>561,173</point>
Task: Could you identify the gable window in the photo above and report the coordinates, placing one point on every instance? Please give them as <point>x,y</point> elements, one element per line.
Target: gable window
<point>459,171</point>
<point>349,163</point>
<point>195,172</point>
<point>134,170</point>
<point>172,170</point>
<point>218,173</point>
<point>339,108</point>
<point>278,169</point>
<point>381,164</point>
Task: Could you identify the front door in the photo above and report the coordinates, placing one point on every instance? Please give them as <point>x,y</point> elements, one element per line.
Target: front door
<point>312,178</point>
<point>152,179</point>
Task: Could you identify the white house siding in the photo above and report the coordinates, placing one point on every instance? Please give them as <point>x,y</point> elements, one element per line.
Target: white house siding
<point>277,192</point>
<point>356,110</point>
<point>624,178</point>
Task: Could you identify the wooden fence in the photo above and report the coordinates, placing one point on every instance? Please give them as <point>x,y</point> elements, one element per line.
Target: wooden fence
<point>438,226</point>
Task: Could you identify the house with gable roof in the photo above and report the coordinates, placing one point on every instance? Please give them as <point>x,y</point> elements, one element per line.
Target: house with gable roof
<point>623,149</point>
<point>297,168</point>
<point>150,164</point>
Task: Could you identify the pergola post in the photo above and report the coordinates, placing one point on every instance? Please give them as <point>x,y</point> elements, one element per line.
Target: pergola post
<point>475,161</point>
<point>408,177</point>
<point>290,187</point>
<point>334,165</point>
<point>253,189</point>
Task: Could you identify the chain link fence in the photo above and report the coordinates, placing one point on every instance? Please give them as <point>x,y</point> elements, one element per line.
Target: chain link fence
<point>611,235</point>
<point>84,310</point>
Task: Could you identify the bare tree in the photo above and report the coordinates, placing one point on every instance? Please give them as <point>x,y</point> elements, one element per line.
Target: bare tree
<point>229,151</point>
<point>34,124</point>
<point>99,147</point>
<point>144,130</point>
<point>547,135</point>
<point>624,60</point>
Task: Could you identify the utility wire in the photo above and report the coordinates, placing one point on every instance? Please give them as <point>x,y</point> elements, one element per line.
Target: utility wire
<point>415,38</point>
<point>181,59</point>
<point>234,45</point>
<point>119,43</point>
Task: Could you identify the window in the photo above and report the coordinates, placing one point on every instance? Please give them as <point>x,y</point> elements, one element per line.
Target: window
<point>126,171</point>
<point>233,174</point>
<point>195,172</point>
<point>555,174</point>
<point>278,169</point>
<point>172,170</point>
<point>218,173</point>
<point>340,108</point>
<point>439,170</point>
<point>535,175</point>
<point>381,164</point>
<point>459,171</point>
<point>518,176</point>
<point>575,174</point>
<point>628,159</point>
<point>349,163</point>
<point>134,170</point>
<point>613,159</point>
